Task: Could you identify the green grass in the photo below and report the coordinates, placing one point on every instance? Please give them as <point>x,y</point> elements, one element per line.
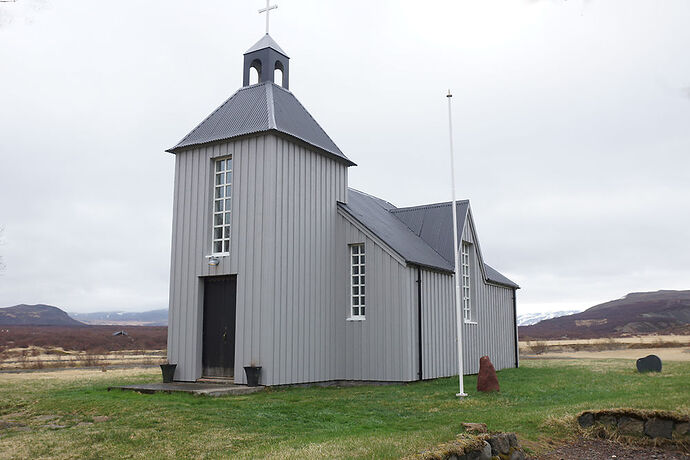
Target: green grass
<point>356,422</point>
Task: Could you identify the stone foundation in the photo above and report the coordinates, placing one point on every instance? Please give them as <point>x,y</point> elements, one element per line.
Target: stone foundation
<point>496,446</point>
<point>629,422</point>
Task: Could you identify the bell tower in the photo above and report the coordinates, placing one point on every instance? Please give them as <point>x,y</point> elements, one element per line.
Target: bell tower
<point>269,61</point>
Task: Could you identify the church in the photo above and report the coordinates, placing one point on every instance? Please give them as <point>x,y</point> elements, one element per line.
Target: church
<point>278,264</point>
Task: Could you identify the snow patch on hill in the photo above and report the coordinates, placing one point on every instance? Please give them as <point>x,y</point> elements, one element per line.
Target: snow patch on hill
<point>528,319</point>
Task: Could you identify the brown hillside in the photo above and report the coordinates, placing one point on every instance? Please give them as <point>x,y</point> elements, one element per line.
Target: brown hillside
<point>35,315</point>
<point>84,338</point>
<point>636,313</point>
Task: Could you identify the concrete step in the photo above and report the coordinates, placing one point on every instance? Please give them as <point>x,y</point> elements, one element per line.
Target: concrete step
<point>193,388</point>
<point>217,380</point>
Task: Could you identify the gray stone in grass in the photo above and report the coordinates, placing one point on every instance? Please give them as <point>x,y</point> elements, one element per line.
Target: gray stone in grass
<point>512,439</point>
<point>586,419</point>
<point>486,452</point>
<point>46,418</point>
<point>517,455</point>
<point>650,363</point>
<point>100,418</point>
<point>482,454</point>
<point>6,424</point>
<point>631,426</point>
<point>500,444</point>
<point>659,428</point>
<point>682,429</point>
<point>609,420</point>
<point>53,426</point>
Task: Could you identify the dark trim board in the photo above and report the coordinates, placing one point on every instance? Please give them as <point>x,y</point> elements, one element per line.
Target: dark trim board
<point>515,324</point>
<point>419,323</point>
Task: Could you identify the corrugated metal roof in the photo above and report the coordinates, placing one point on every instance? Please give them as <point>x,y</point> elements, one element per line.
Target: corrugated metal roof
<point>434,224</point>
<point>375,215</point>
<point>493,275</point>
<point>266,42</point>
<point>422,235</point>
<point>262,107</point>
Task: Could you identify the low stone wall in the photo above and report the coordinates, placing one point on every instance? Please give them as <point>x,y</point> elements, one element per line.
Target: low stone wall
<point>496,446</point>
<point>630,422</point>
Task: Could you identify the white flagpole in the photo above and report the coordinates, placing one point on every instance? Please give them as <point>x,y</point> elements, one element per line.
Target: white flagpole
<point>458,299</point>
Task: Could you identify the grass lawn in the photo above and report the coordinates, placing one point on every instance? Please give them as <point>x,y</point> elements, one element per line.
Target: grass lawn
<point>356,422</point>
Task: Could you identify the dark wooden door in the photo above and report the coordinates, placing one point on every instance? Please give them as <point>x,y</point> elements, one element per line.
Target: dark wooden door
<point>218,358</point>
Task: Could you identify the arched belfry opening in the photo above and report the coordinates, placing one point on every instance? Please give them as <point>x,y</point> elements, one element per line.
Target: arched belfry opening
<point>255,72</point>
<point>278,73</point>
<point>260,56</point>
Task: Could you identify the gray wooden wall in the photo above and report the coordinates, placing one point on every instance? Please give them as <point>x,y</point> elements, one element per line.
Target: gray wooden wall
<point>284,215</point>
<point>382,347</point>
<point>292,304</point>
<point>492,335</point>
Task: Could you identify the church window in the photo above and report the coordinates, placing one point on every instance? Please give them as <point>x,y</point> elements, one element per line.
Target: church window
<point>358,281</point>
<point>466,299</point>
<point>222,212</point>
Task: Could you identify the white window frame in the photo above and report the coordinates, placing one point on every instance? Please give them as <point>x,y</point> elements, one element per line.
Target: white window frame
<point>358,275</point>
<point>221,207</point>
<point>466,284</point>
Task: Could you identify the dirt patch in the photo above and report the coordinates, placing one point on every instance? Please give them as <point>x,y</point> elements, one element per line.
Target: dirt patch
<point>594,449</point>
<point>666,354</point>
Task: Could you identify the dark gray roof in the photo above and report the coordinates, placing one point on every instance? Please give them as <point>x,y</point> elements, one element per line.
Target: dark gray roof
<point>266,42</point>
<point>375,215</point>
<point>257,108</point>
<point>494,276</point>
<point>434,224</point>
<point>422,235</point>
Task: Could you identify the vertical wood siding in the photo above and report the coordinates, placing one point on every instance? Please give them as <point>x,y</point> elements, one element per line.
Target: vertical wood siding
<point>493,335</point>
<point>439,344</point>
<point>292,304</point>
<point>382,347</point>
<point>283,245</point>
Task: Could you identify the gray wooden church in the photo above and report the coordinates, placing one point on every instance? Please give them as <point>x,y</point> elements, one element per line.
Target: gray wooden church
<point>277,263</point>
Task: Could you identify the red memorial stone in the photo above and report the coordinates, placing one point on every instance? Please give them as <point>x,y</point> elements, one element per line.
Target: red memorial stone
<point>487,380</point>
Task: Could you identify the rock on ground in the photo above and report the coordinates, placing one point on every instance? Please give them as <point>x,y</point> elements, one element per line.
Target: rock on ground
<point>487,380</point>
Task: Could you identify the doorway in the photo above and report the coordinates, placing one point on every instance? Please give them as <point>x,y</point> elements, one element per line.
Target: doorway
<point>218,354</point>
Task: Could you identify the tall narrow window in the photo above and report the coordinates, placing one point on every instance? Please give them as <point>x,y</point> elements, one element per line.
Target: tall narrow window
<point>357,274</point>
<point>465,261</point>
<point>222,194</point>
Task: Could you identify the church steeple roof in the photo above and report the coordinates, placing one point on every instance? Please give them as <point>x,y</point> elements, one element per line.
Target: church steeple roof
<point>259,108</point>
<point>266,42</point>
<point>266,58</point>
<point>267,106</point>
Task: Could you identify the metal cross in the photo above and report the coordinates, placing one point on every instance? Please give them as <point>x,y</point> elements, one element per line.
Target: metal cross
<point>267,10</point>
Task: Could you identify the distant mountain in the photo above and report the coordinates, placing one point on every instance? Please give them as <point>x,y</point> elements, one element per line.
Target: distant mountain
<point>636,313</point>
<point>527,319</point>
<point>125,318</point>
<point>35,315</point>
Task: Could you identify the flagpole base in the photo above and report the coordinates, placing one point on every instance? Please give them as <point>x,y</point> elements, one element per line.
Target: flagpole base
<point>461,395</point>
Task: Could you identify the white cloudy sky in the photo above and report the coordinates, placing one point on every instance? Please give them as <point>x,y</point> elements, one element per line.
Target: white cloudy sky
<point>572,128</point>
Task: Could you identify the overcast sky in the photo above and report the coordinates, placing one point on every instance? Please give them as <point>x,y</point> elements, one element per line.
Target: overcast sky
<point>572,130</point>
